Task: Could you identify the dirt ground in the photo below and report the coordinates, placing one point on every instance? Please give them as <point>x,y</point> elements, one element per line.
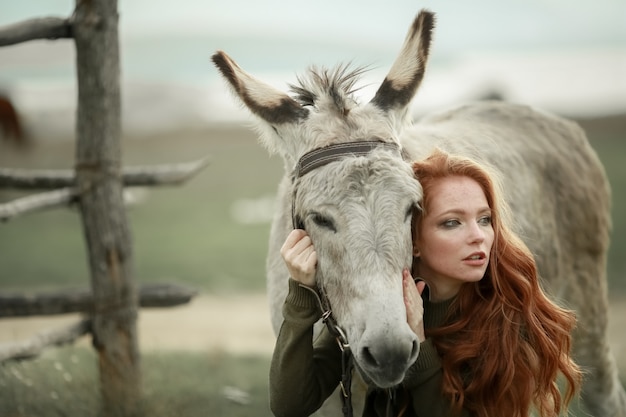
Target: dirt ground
<point>233,324</point>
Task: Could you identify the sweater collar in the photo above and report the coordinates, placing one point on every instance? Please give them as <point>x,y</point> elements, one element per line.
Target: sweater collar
<point>435,313</point>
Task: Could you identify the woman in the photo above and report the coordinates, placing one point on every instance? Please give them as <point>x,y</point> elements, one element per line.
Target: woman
<point>492,343</point>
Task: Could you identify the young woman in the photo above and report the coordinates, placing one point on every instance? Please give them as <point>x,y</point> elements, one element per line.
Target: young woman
<point>493,343</point>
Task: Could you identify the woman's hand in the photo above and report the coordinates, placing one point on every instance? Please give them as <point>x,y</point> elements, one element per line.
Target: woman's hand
<point>413,303</point>
<point>300,257</point>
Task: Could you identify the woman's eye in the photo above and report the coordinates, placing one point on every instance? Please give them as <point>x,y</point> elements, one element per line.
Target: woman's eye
<point>450,223</point>
<point>323,221</point>
<point>485,220</point>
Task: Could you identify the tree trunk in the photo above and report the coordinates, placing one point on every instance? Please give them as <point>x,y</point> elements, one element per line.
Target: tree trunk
<point>105,225</point>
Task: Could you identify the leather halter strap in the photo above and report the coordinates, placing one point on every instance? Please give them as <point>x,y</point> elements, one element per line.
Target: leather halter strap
<point>307,163</point>
<point>322,156</point>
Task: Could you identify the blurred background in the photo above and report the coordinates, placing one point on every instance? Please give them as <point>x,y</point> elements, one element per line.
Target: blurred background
<point>211,233</point>
<point>565,57</point>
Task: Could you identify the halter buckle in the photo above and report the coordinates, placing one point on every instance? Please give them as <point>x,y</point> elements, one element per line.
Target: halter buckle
<point>342,339</point>
<point>344,392</point>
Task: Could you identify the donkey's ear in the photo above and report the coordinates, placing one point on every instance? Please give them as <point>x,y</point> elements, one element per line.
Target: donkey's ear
<point>270,104</point>
<point>407,72</point>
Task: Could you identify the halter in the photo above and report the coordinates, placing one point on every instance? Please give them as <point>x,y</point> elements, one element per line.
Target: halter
<point>321,156</point>
<point>307,163</point>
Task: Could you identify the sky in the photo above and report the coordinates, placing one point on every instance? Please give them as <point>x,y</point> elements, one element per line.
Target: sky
<point>568,56</point>
<point>479,23</point>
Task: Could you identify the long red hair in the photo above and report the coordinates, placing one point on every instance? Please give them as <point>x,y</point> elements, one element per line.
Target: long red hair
<point>505,342</point>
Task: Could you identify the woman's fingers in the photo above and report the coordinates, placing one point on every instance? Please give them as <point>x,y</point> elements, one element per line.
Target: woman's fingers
<point>413,303</point>
<point>298,248</point>
<point>420,286</point>
<point>292,239</point>
<point>300,257</point>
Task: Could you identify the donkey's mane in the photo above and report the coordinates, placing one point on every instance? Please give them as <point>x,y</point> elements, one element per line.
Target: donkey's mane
<point>337,83</point>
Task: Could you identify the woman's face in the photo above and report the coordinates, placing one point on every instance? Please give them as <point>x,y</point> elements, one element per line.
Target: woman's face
<point>455,237</point>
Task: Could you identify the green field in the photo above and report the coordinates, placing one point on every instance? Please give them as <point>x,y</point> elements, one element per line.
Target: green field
<point>181,234</point>
<point>187,235</point>
<point>64,382</point>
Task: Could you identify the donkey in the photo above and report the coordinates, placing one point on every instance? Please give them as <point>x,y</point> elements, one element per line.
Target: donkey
<point>356,205</point>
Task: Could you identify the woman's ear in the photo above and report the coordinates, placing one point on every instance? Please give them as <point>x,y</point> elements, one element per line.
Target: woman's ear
<point>416,252</point>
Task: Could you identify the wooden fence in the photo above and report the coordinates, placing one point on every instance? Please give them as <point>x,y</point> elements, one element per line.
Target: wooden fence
<point>96,186</point>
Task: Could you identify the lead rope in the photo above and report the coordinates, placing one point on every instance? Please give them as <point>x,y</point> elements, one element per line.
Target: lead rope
<point>390,400</point>
<point>346,381</point>
<point>347,360</point>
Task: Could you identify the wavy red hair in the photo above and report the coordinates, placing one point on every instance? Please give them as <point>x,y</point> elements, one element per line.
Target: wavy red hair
<point>505,342</point>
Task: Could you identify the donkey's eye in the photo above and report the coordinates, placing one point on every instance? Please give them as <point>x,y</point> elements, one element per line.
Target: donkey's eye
<point>323,221</point>
<point>409,213</point>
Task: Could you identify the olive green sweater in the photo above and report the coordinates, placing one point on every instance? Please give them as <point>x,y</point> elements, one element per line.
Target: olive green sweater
<point>304,373</point>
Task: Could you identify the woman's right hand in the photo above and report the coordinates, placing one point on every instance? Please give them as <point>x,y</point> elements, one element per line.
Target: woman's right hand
<point>413,302</point>
<point>300,257</point>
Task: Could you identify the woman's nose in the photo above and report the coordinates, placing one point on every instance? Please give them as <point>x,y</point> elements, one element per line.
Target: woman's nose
<point>477,234</point>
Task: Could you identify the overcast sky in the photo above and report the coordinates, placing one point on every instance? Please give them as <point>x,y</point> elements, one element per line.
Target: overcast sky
<point>461,24</point>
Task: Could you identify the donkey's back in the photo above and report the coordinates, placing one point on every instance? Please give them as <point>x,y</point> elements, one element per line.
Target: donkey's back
<point>560,201</point>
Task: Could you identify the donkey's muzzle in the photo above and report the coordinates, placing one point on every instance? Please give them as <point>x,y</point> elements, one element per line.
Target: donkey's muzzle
<point>385,362</point>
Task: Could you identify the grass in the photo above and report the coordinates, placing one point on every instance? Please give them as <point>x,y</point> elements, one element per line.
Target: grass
<point>64,382</point>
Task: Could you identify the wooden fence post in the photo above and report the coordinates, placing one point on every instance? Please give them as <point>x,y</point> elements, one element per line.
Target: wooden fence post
<point>105,224</point>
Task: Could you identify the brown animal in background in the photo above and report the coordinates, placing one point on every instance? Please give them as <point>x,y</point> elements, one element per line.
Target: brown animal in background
<point>10,122</point>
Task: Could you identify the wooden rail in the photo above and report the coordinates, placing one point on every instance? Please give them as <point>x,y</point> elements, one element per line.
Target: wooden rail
<point>32,29</point>
<point>81,300</point>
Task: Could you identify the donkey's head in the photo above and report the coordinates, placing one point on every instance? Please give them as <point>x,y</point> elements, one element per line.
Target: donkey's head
<point>356,208</point>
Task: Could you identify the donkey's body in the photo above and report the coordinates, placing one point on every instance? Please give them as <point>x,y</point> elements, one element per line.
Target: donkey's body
<point>355,209</point>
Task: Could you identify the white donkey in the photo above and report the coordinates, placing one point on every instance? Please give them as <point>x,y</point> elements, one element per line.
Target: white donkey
<point>354,195</point>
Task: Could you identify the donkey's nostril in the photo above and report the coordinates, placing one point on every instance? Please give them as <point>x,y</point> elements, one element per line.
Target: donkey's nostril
<point>368,357</point>
<point>390,356</point>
